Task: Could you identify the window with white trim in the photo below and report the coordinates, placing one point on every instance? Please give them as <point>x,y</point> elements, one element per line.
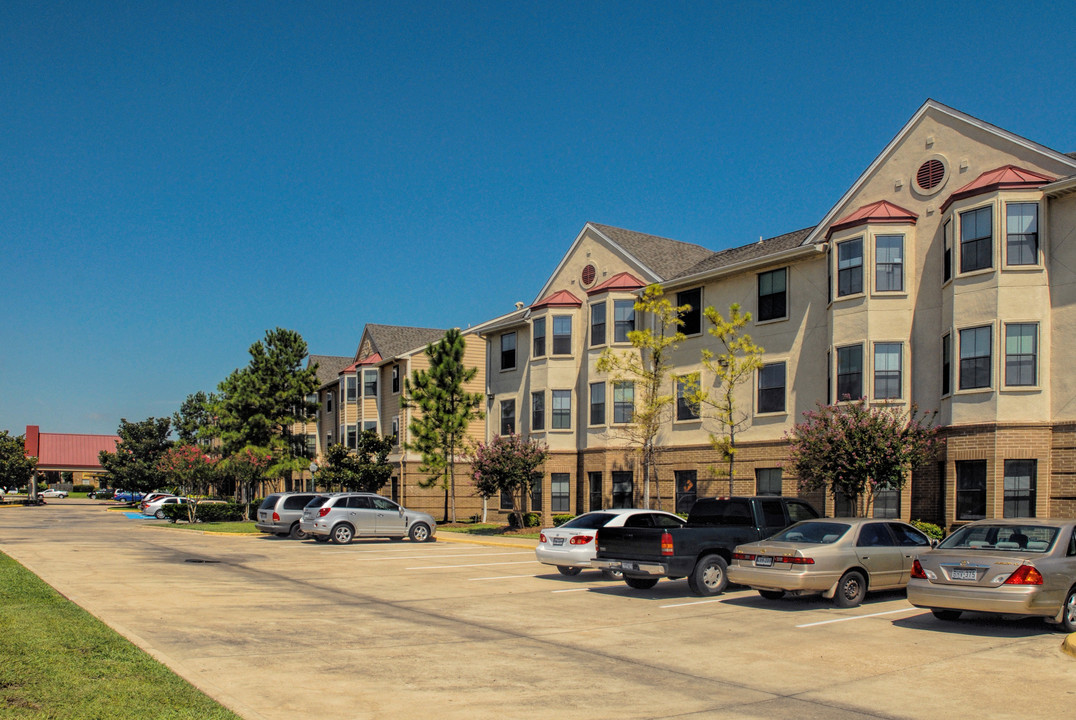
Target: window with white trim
<point>849,373</point>
<point>1021,354</point>
<point>850,267</point>
<point>887,371</point>
<point>771,388</point>
<point>772,295</point>
<point>889,263</point>
<point>623,319</point>
<point>562,410</point>
<point>1022,233</point>
<point>977,239</point>
<point>975,356</point>
<point>508,351</point>
<point>538,331</point>
<point>562,334</point>
<point>597,324</point>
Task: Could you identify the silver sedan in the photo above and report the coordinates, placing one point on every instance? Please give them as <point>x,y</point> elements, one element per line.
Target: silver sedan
<point>1023,566</point>
<point>573,545</point>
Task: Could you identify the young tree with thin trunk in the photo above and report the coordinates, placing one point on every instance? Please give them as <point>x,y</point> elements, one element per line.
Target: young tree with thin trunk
<point>648,367</point>
<point>508,464</point>
<point>736,360</point>
<point>438,431</point>
<point>191,470</point>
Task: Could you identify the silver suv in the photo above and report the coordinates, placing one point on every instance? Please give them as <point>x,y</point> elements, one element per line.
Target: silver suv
<point>280,513</point>
<point>342,517</point>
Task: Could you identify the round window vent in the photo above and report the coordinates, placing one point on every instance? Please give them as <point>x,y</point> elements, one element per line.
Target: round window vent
<point>589,273</point>
<point>930,174</point>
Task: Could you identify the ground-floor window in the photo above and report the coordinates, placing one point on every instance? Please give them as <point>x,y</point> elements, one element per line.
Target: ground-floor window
<point>623,490</point>
<point>536,495</point>
<point>970,489</point>
<point>595,481</point>
<point>686,489</point>
<point>506,500</point>
<point>886,502</point>
<point>1020,488</point>
<point>559,493</point>
<point>768,481</point>
<point>395,485</point>
<point>843,505</point>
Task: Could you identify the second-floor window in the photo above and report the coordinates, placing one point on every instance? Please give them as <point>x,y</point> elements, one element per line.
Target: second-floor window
<point>538,411</point>
<point>685,409</point>
<point>1022,234</point>
<point>352,388</point>
<point>597,403</point>
<point>772,296</point>
<point>947,251</point>
<point>623,319</point>
<point>976,239</point>
<point>889,263</point>
<point>597,324</point>
<point>395,431</point>
<point>395,379</point>
<point>508,351</point>
<point>849,373</point>
<point>538,330</point>
<point>1021,354</point>
<point>562,334</point>
<point>562,409</point>
<point>508,417</point>
<point>850,267</point>
<point>369,383</point>
<point>975,357</point>
<point>887,365</point>
<point>771,388</point>
<point>623,401</point>
<point>691,318</point>
<point>947,364</point>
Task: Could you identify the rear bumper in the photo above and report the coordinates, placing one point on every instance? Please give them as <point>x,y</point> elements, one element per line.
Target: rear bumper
<point>635,567</point>
<point>270,528</point>
<point>787,580</point>
<point>1004,600</point>
<point>575,557</point>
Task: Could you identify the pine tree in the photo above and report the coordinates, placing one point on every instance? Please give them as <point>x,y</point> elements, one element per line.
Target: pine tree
<point>134,465</point>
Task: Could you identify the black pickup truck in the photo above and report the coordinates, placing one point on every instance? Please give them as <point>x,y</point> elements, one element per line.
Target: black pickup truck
<point>700,550</point>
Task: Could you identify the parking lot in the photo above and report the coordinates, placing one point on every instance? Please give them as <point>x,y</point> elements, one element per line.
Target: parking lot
<point>277,628</point>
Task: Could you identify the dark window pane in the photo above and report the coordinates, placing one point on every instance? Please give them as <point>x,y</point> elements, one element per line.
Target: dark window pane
<point>562,409</point>
<point>771,388</point>
<point>538,329</point>
<point>976,239</point>
<point>691,318</point>
<point>537,411</point>
<point>1022,233</point>
<point>623,319</point>
<point>970,489</point>
<point>686,489</point>
<point>1020,488</point>
<point>508,351</point>
<point>597,404</point>
<point>622,489</point>
<point>562,335</point>
<point>850,267</point>
<point>850,373</point>
<point>772,294</point>
<point>597,324</point>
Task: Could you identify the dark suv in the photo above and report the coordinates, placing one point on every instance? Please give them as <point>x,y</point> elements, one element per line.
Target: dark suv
<point>280,513</point>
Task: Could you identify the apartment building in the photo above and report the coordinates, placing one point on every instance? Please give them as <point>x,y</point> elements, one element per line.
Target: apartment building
<point>943,277</point>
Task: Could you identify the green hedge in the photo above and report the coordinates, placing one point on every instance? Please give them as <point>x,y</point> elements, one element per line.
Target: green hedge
<point>83,488</point>
<point>931,530</point>
<point>561,519</point>
<point>530,519</point>
<point>207,512</point>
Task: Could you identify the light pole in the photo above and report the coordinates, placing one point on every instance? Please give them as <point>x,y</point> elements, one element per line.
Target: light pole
<point>313,469</point>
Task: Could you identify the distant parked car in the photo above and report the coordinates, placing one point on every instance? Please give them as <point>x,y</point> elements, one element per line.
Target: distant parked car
<point>1019,566</point>
<point>100,494</point>
<point>280,513</point>
<point>153,497</point>
<point>571,546</point>
<point>841,558</point>
<point>156,508</point>
<point>341,517</point>
<point>53,493</point>
<point>127,496</point>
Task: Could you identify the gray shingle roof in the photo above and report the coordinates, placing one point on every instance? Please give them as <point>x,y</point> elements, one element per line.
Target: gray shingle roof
<point>329,366</point>
<point>665,257</point>
<point>753,251</point>
<point>393,340</point>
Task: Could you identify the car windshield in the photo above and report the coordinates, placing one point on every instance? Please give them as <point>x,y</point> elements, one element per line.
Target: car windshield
<point>818,533</point>
<point>1015,538</point>
<point>589,521</point>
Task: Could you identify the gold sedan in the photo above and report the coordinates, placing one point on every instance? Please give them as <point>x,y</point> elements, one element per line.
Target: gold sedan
<point>841,558</point>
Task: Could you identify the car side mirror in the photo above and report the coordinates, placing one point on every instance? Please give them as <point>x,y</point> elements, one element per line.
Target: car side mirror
<point>401,511</point>
<point>933,542</point>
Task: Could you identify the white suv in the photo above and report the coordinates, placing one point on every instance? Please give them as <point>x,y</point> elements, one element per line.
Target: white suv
<point>342,517</point>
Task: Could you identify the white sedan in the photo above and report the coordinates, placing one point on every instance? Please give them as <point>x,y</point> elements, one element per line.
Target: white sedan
<point>573,545</point>
<point>52,493</point>
<point>156,507</point>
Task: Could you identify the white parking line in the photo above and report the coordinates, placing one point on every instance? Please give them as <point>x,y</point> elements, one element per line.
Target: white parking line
<point>449,567</point>
<point>694,602</point>
<point>859,617</point>
<point>439,556</point>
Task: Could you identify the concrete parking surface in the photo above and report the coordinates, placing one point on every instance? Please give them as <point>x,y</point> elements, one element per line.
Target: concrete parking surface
<point>277,628</point>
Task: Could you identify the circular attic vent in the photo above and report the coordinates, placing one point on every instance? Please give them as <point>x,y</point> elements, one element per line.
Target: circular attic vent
<point>930,174</point>
<point>589,273</point>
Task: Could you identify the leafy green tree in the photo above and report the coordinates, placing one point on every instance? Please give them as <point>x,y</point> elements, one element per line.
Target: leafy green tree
<point>648,367</point>
<point>508,464</point>
<point>438,431</point>
<point>854,449</point>
<point>16,470</point>
<point>735,362</point>
<point>192,422</point>
<point>134,464</point>
<point>247,467</point>
<point>365,469</point>
<point>191,471</point>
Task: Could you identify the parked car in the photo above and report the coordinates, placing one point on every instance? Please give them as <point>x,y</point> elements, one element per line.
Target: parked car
<point>156,508</point>
<point>573,545</point>
<point>280,513</point>
<point>100,494</point>
<point>341,517</point>
<point>52,493</point>
<point>1023,566</point>
<point>841,558</point>
<point>153,497</point>
<point>702,548</point>
<point>127,496</point>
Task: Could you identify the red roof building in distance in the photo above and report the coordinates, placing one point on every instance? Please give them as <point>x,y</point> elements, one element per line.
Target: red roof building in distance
<point>66,452</point>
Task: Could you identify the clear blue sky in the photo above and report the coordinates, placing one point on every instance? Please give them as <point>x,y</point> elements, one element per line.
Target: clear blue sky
<point>177,178</point>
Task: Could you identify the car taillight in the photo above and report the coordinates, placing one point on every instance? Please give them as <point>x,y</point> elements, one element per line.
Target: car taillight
<point>666,544</point>
<point>541,537</point>
<point>324,511</point>
<point>917,570</point>
<point>580,540</point>
<point>276,516</point>
<point>1025,575</point>
<point>794,560</point>
<point>742,556</point>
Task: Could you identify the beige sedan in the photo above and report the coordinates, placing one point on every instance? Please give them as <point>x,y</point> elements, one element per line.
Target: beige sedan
<point>841,558</point>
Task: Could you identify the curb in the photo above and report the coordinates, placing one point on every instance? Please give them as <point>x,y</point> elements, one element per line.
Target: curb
<point>1069,646</point>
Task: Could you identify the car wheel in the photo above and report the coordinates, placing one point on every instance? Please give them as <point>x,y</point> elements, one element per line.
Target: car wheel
<point>297,532</point>
<point>612,574</point>
<point>321,538</point>
<point>569,570</point>
<point>640,583</point>
<point>1068,614</point>
<point>772,594</point>
<point>420,532</point>
<point>948,615</point>
<point>342,534</point>
<point>851,589</point>
<point>159,514</point>
<point>710,576</point>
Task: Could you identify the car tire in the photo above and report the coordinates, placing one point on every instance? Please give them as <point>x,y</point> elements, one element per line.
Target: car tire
<point>947,615</point>
<point>342,534</point>
<point>321,538</point>
<point>1068,613</point>
<point>419,532</point>
<point>851,589</point>
<point>612,574</point>
<point>159,514</point>
<point>640,583</point>
<point>569,570</point>
<point>710,576</point>
<point>772,594</point>
<point>296,532</point>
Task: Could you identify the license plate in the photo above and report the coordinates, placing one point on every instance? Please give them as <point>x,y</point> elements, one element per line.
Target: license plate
<point>558,541</point>
<point>764,561</point>
<point>962,574</point>
<point>629,566</point>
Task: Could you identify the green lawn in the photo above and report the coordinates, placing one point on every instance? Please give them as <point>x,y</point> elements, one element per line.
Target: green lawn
<point>238,528</point>
<point>58,661</point>
<point>489,529</point>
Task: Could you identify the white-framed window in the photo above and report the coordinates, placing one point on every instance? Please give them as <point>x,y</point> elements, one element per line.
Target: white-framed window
<point>508,417</point>
<point>369,425</point>
<point>562,410</point>
<point>1022,233</point>
<point>849,373</point>
<point>395,379</point>
<point>977,239</point>
<point>369,383</point>
<point>887,370</point>
<point>975,357</point>
<point>508,351</point>
<point>768,481</point>
<point>352,383</point>
<point>850,267</point>
<point>562,334</point>
<point>889,263</point>
<point>395,431</point>
<point>771,388</point>
<point>597,324</point>
<point>1021,354</point>
<point>597,403</point>
<point>623,401</point>
<point>538,331</point>
<point>773,295</point>
<point>623,319</point>
<point>538,410</point>
<point>685,409</point>
<point>560,492</point>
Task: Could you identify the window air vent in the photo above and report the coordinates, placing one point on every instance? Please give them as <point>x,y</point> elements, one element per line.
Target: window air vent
<point>930,174</point>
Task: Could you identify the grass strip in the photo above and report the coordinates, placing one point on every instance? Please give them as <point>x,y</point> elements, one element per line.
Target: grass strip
<point>488,530</point>
<point>58,661</point>
<point>237,528</point>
